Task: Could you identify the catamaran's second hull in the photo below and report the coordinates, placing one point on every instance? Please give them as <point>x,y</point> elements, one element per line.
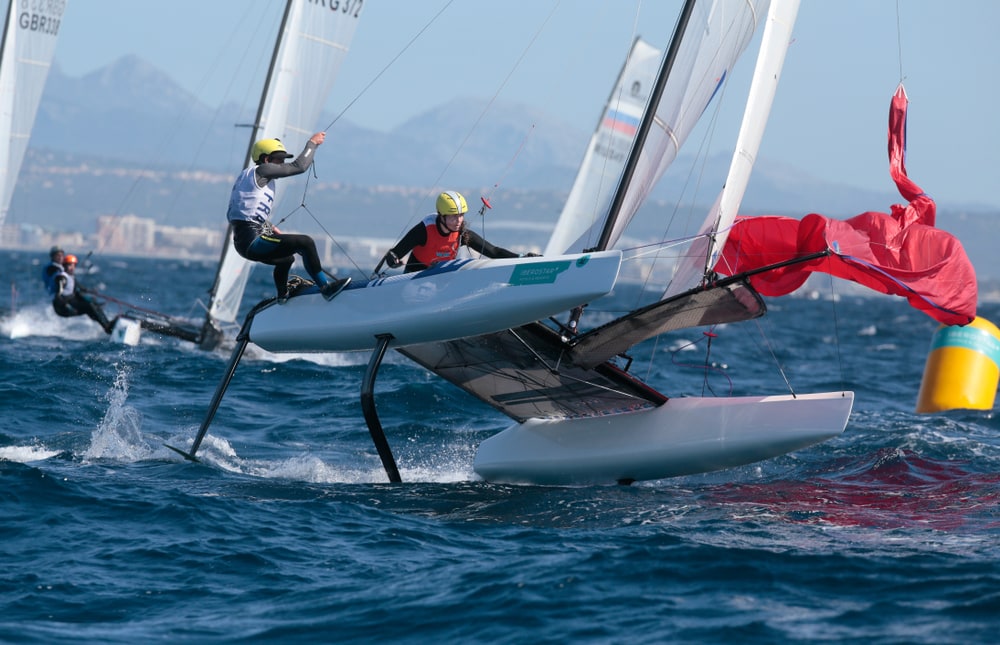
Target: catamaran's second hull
<point>683,436</point>
<point>452,300</point>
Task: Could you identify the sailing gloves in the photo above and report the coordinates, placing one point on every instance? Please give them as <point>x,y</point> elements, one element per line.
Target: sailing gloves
<point>393,261</point>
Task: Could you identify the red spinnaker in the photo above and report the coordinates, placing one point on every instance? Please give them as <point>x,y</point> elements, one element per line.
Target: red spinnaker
<point>901,253</point>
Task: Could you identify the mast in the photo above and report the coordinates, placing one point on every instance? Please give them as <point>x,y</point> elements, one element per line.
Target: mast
<point>210,334</point>
<point>255,127</point>
<point>6,26</point>
<point>711,237</point>
<point>646,124</point>
<point>8,189</point>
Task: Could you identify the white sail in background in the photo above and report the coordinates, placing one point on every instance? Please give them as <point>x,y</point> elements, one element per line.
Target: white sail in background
<point>312,44</point>
<point>609,146</point>
<point>714,231</point>
<point>29,43</point>
<point>718,32</point>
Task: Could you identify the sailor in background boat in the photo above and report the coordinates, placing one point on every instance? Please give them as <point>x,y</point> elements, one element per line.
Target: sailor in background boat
<point>53,268</point>
<point>437,237</point>
<point>70,299</point>
<point>249,213</point>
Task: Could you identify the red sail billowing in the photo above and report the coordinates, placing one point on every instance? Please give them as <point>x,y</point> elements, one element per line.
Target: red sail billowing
<point>900,254</point>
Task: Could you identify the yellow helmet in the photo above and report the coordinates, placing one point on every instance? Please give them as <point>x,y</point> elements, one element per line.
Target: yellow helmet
<point>451,203</point>
<point>266,148</point>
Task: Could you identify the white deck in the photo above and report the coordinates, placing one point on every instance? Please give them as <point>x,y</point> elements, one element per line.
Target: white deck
<point>457,299</point>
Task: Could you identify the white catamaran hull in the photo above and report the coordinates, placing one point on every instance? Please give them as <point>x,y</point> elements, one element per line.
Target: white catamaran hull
<point>682,437</point>
<point>456,299</point>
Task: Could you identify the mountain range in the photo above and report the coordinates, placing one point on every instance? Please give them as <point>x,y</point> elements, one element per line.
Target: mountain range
<point>128,139</point>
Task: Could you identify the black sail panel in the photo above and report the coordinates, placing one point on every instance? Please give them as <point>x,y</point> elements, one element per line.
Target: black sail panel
<point>524,374</point>
<point>722,303</point>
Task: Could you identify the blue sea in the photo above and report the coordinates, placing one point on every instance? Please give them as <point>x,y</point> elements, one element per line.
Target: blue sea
<point>288,530</point>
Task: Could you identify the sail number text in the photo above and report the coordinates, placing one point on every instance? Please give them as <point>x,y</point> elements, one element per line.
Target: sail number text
<point>350,8</point>
<point>42,16</point>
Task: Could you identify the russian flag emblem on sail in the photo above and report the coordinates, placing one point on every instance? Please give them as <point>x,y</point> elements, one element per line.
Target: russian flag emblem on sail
<point>620,122</point>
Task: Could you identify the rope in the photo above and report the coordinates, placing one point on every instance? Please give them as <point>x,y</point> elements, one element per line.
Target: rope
<point>389,64</point>
<point>166,146</point>
<point>127,305</point>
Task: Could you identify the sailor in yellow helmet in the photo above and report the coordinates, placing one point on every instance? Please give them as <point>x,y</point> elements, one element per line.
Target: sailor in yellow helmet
<point>255,237</point>
<point>438,237</point>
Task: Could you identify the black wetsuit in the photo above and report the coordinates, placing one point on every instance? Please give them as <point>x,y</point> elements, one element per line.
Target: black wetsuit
<point>70,301</point>
<point>417,237</point>
<point>250,216</point>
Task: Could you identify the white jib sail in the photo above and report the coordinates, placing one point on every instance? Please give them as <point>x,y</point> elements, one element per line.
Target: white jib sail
<point>714,231</point>
<point>29,43</point>
<point>312,46</point>
<point>609,146</point>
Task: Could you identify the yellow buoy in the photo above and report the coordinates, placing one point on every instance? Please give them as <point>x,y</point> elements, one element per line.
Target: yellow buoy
<point>962,369</point>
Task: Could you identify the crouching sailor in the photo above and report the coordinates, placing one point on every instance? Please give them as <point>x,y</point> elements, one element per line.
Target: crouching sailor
<point>255,237</point>
<point>70,300</point>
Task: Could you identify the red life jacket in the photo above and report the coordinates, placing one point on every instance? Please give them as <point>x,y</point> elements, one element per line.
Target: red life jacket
<point>438,248</point>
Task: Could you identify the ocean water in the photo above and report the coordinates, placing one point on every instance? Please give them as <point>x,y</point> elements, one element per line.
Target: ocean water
<point>289,532</point>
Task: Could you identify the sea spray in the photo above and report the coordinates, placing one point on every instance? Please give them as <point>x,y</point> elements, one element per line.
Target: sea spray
<point>119,434</point>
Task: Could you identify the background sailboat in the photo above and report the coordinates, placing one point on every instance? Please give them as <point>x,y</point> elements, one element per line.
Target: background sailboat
<point>607,152</point>
<point>29,43</point>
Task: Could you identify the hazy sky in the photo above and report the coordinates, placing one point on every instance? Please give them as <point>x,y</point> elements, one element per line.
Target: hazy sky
<point>830,114</point>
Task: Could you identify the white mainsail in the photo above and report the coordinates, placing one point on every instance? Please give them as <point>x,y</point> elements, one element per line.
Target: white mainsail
<point>312,43</point>
<point>711,237</point>
<point>29,43</point>
<point>608,149</point>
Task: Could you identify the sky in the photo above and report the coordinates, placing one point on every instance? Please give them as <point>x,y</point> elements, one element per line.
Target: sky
<point>408,56</point>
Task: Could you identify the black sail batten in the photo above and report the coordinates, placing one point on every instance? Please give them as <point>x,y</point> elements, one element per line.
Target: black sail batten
<point>645,125</point>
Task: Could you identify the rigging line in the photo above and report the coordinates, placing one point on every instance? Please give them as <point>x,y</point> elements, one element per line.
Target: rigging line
<point>836,325</point>
<point>899,42</point>
<point>493,98</point>
<point>563,375</point>
<point>302,206</point>
<point>510,164</point>
<point>310,175</point>
<point>389,64</point>
<point>774,357</point>
<point>653,248</point>
<point>129,305</point>
<point>171,134</point>
<point>330,236</point>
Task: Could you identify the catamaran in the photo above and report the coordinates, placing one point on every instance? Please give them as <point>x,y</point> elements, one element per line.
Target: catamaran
<point>580,416</point>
